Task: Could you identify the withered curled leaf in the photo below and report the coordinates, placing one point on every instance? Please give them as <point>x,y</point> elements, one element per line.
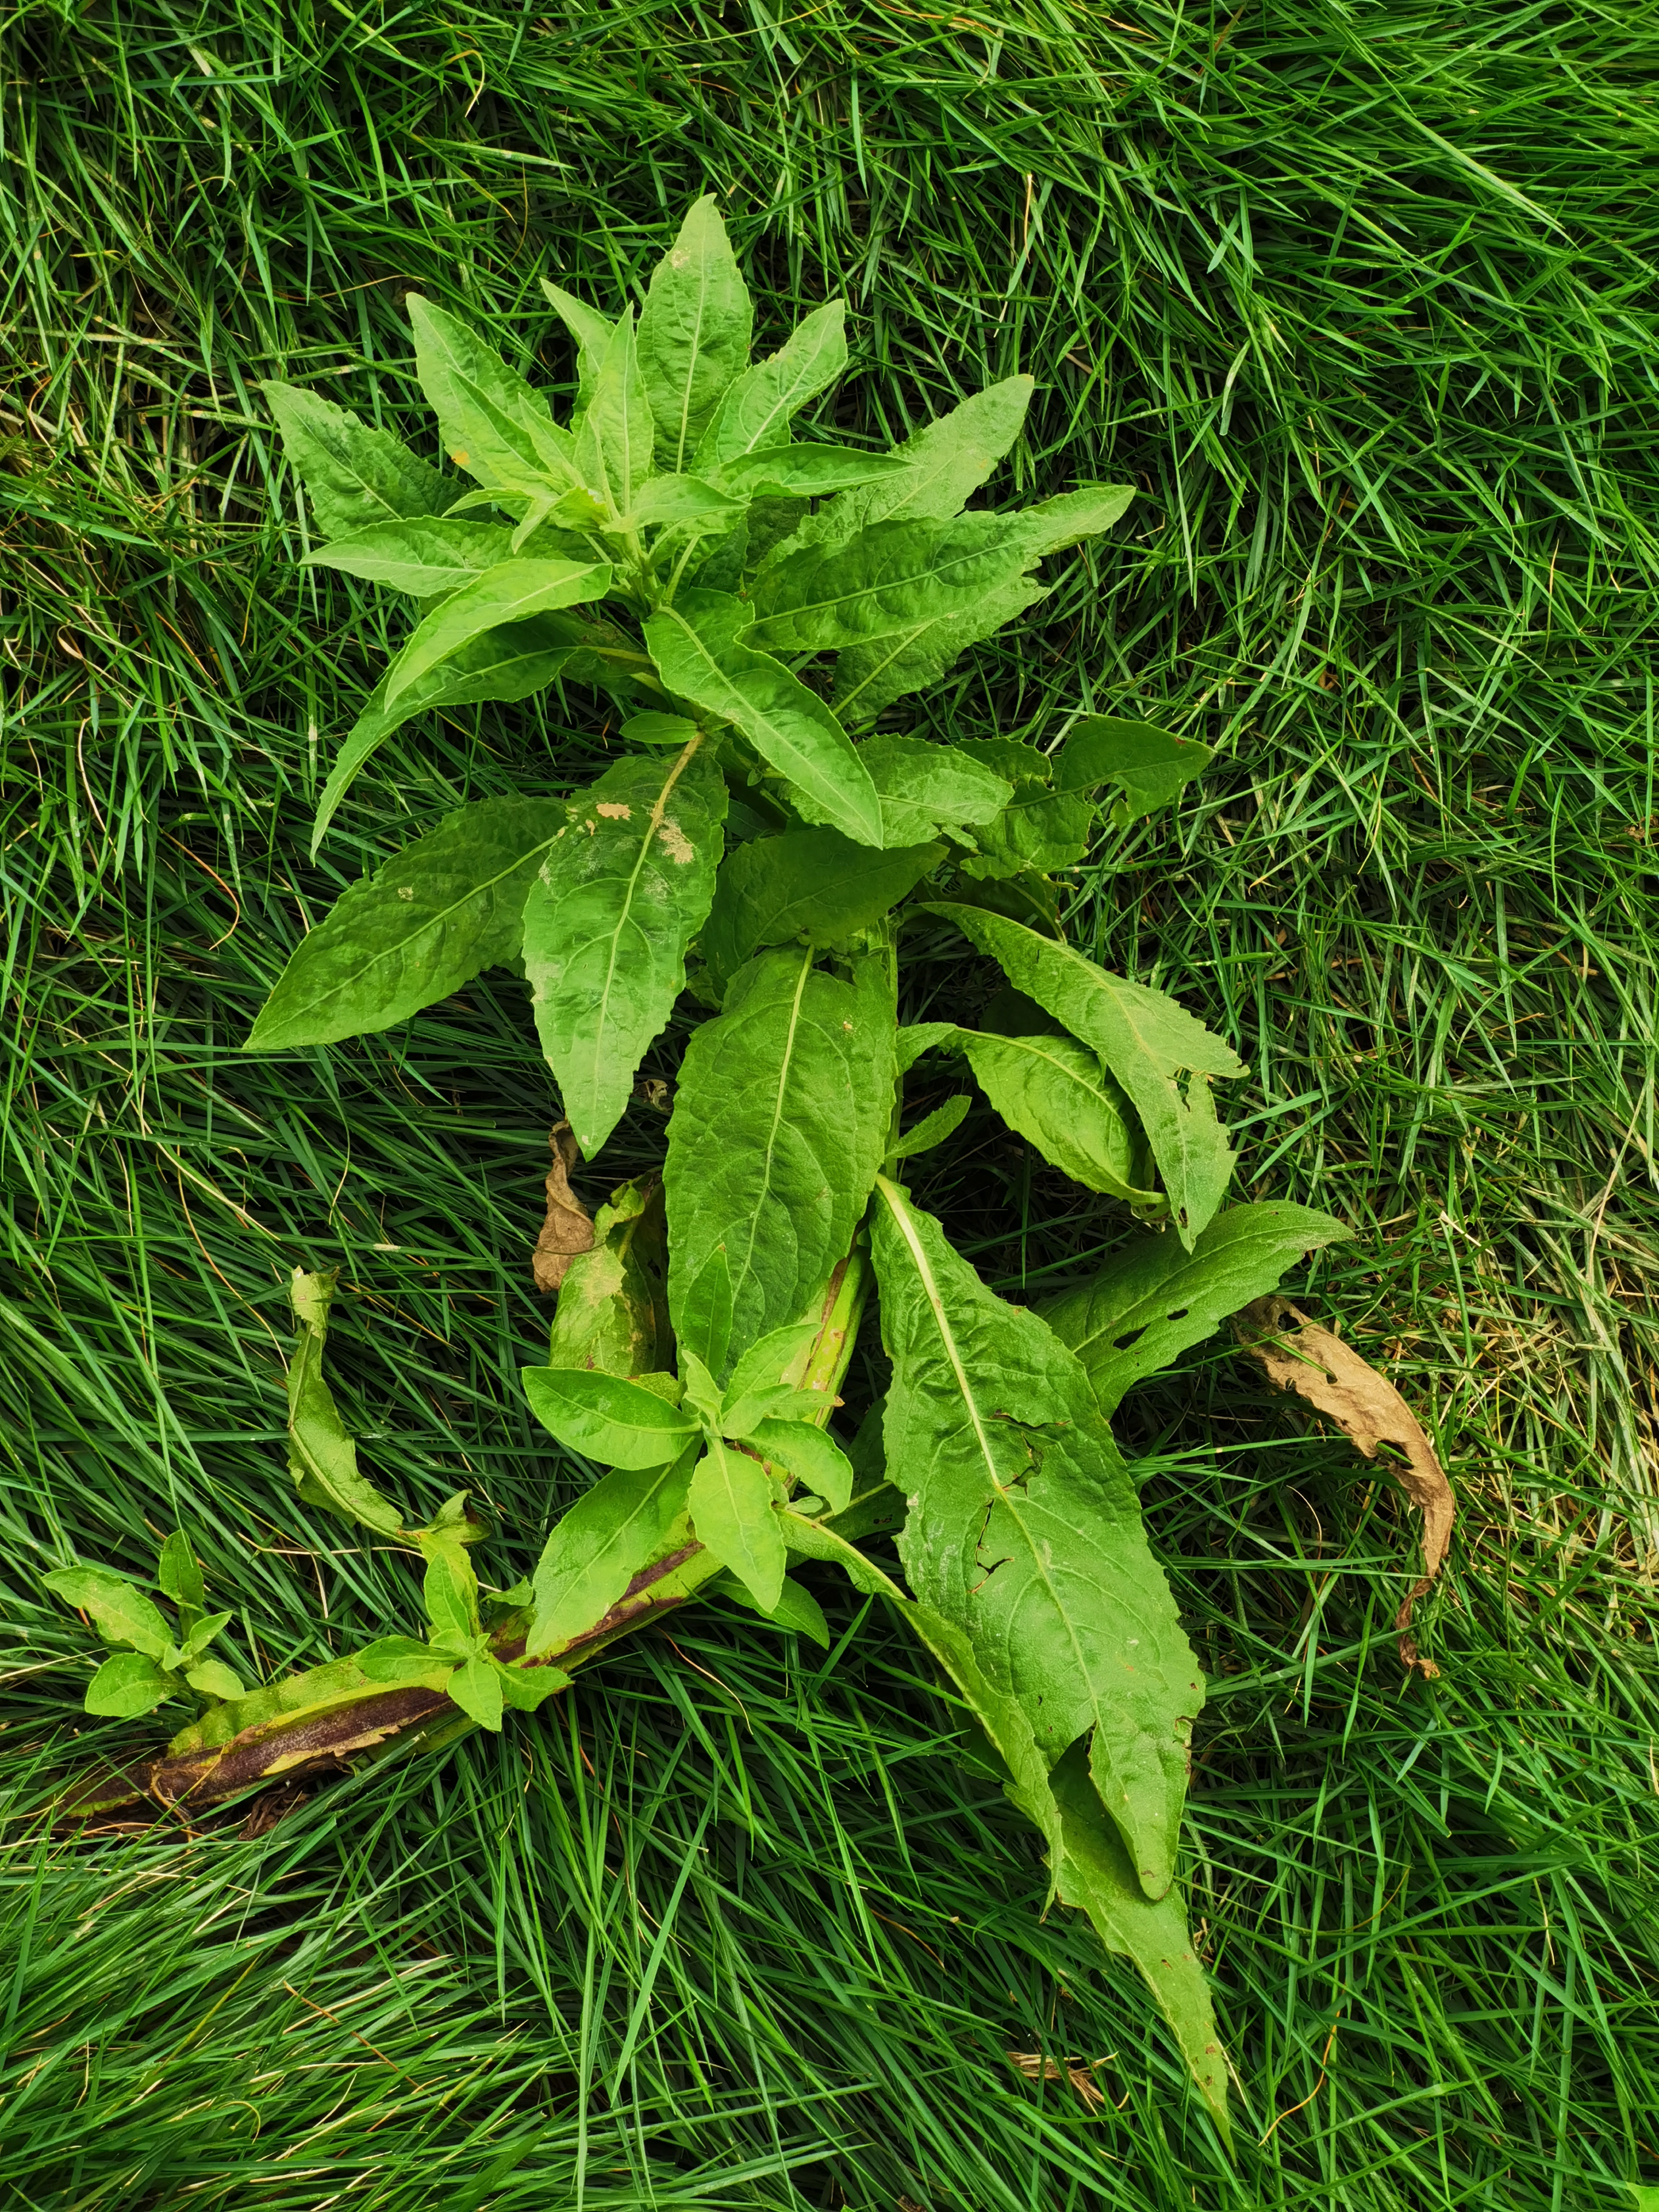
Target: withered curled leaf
<point>1335,1380</point>
<point>567,1230</point>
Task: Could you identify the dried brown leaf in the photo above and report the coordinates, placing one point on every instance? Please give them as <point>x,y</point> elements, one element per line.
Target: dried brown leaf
<point>567,1230</point>
<point>1335,1380</point>
<point>1080,2072</point>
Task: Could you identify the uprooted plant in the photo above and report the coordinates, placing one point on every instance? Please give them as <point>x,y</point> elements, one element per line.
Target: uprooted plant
<point>757,825</point>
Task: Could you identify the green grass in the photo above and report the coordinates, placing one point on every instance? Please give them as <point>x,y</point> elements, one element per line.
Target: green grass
<point>1364,297</point>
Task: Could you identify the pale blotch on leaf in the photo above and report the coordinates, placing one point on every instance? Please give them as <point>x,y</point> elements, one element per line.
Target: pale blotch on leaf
<point>675,843</point>
<point>613,810</point>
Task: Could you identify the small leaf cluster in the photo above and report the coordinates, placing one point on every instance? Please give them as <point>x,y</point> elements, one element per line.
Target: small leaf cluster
<point>459,1657</point>
<point>152,1660</point>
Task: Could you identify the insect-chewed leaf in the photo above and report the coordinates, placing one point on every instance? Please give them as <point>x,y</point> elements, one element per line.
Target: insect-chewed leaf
<point>606,922</point>
<point>924,789</point>
<point>126,1686</point>
<point>613,446</point>
<point>426,922</point>
<point>1148,765</point>
<point>817,1461</point>
<point>693,331</point>
<point>780,1118</point>
<point>693,644</point>
<point>491,423</point>
<point>504,664</point>
<point>1055,1093</point>
<point>509,592</point>
<point>592,331</point>
<point>425,556</point>
<point>1156,1298</point>
<point>321,1457</point>
<point>1024,1529</point>
<point>613,1303</point>
<point>1040,829</point>
<point>355,475</point>
<point>943,463</point>
<point>1094,1875</point>
<point>631,1517</point>
<point>814,883</point>
<point>757,407</point>
<point>807,471</point>
<point>732,1516</point>
<point>1145,1040</point>
<point>606,1418</point>
<point>121,1610</point>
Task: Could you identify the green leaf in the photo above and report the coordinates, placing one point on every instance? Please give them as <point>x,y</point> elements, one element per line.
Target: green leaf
<point>824,1540</point>
<point>177,1573</point>
<point>120,1611</point>
<point>606,922</point>
<point>945,460</point>
<point>399,1659</point>
<point>1024,1529</point>
<point>926,788</point>
<point>693,331</point>
<point>477,1688</point>
<point>704,1323</point>
<point>629,1518</point>
<point>811,884</point>
<point>1055,1093</point>
<point>491,424</point>
<point>1145,1040</point>
<point>1004,1719</point>
<point>1155,1299</point>
<point>612,1312</point>
<point>321,1457</point>
<point>197,1642</point>
<point>779,1125</point>
<point>733,1518</point>
<point>693,646</point>
<point>888,584</point>
<point>756,409</point>
<point>215,1680</point>
<point>1147,764</point>
<point>815,1460</point>
<point>424,557</point>
<point>655,729</point>
<point>807,471</point>
<point>1095,1876</point>
<point>606,1418</point>
<point>592,331</point>
<point>509,592</point>
<point>426,922</point>
<point>933,1129</point>
<point>1040,829</point>
<point>1053,524</point>
<point>504,664</point>
<point>523,1689</point>
<point>355,475</point>
<point>126,1686</point>
<point>683,501</point>
<point>613,446</point>
<point>451,1593</point>
<point>797,1608</point>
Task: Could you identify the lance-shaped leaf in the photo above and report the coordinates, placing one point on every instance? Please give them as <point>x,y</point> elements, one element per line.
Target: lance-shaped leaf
<point>509,592</point>
<point>426,922</point>
<point>687,503</point>
<point>630,1519</point>
<point>757,407</point>
<point>694,645</point>
<point>121,1611</point>
<point>1024,1529</point>
<point>1055,1093</point>
<point>613,446</point>
<point>1148,765</point>
<point>355,475</point>
<point>816,1462</point>
<point>1145,1040</point>
<point>504,664</point>
<point>779,1119</point>
<point>179,1575</point>
<point>1094,1875</point>
<point>733,1517</point>
<point>1154,1299</point>
<point>607,920</point>
<point>605,1418</point>
<point>813,884</point>
<point>889,582</point>
<point>613,1303</point>
<point>796,1608</point>
<point>807,471</point>
<point>592,331</point>
<point>943,462</point>
<point>924,789</point>
<point>425,556</point>
<point>693,331</point>
<point>491,423</point>
<point>321,1457</point>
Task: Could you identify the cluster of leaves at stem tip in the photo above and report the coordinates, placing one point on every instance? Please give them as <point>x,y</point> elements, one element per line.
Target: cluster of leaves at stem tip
<point>756,602</point>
